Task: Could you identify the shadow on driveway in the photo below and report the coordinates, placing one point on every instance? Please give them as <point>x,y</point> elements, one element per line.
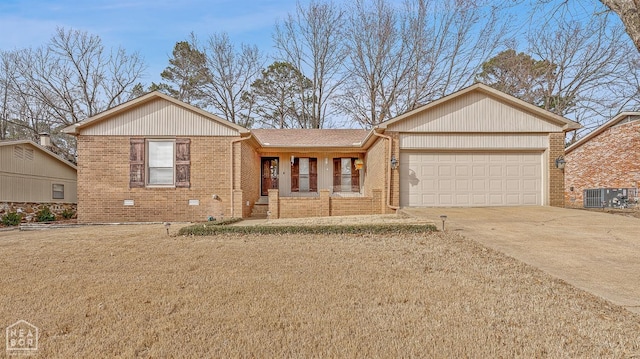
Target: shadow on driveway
<point>597,252</point>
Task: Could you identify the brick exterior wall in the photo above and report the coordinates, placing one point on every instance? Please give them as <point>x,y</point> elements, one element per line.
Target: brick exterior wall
<point>247,175</point>
<point>323,206</point>
<point>376,171</point>
<point>556,176</point>
<point>609,160</point>
<point>301,207</point>
<point>103,183</point>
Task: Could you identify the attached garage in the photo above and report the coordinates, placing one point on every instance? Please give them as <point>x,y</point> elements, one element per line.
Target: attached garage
<point>470,179</point>
<point>477,147</point>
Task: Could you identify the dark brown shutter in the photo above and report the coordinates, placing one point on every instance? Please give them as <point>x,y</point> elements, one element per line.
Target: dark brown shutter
<point>337,173</point>
<point>136,163</point>
<point>183,162</point>
<point>295,175</point>
<point>355,176</point>
<point>313,174</point>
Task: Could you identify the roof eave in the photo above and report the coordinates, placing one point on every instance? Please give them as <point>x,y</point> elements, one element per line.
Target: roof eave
<point>144,99</point>
<point>566,124</point>
<point>619,117</point>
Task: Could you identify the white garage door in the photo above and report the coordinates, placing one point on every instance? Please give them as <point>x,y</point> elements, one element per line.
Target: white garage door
<point>470,179</point>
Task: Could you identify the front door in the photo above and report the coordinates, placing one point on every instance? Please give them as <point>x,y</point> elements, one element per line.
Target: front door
<point>269,175</point>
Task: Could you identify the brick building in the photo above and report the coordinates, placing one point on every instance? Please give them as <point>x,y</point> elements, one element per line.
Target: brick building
<point>158,159</point>
<point>606,158</point>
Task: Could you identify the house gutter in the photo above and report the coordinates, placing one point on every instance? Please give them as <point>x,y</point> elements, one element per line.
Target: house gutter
<point>231,169</point>
<point>388,169</point>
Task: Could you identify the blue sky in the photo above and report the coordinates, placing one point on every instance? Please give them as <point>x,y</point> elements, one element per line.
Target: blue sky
<point>149,27</point>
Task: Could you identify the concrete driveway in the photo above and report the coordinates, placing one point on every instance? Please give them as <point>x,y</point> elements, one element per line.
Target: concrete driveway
<point>597,252</point>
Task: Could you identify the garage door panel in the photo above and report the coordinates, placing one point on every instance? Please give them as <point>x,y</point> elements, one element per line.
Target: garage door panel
<point>530,185</point>
<point>462,171</point>
<point>462,184</point>
<point>479,200</point>
<point>495,185</point>
<point>446,199</point>
<point>478,171</point>
<point>529,199</point>
<point>529,170</point>
<point>479,185</point>
<point>462,200</point>
<point>512,185</point>
<point>444,170</point>
<point>496,171</point>
<point>470,179</point>
<point>512,171</point>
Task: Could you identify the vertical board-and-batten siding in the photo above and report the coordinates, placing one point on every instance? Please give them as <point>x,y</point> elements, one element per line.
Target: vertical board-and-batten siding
<point>29,178</point>
<point>159,118</point>
<point>475,112</point>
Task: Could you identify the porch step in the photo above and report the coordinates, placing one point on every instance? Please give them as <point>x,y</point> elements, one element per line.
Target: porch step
<point>259,210</point>
<point>263,200</point>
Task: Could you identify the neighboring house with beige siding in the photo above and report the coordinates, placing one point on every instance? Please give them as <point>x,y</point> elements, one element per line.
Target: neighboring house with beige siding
<point>158,159</point>
<point>31,176</point>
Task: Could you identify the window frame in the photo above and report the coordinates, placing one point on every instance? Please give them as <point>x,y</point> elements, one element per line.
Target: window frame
<point>53,190</point>
<point>312,176</point>
<point>148,166</point>
<point>355,175</point>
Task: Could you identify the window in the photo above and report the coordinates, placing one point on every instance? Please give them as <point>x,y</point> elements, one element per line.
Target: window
<point>58,191</point>
<point>304,175</point>
<point>160,162</point>
<point>346,178</point>
<point>160,165</point>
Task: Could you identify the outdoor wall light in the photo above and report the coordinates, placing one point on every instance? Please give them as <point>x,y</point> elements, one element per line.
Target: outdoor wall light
<point>394,162</point>
<point>293,159</point>
<point>443,218</point>
<point>560,162</point>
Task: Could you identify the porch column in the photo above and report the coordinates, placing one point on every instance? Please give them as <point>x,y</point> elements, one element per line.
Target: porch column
<point>274,205</point>
<point>325,203</point>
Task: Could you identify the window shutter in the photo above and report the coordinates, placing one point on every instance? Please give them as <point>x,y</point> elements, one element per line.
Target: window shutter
<point>183,162</point>
<point>313,174</point>
<point>337,172</point>
<point>355,176</point>
<point>136,163</point>
<point>295,175</point>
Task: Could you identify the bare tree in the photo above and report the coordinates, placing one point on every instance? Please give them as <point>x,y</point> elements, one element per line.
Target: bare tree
<point>311,40</point>
<point>403,57</point>
<point>230,73</point>
<point>72,78</point>
<point>6,72</point>
<point>591,64</point>
<point>75,77</point>
<point>629,13</point>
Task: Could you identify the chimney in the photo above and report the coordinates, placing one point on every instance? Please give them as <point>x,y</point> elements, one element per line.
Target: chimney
<point>45,139</point>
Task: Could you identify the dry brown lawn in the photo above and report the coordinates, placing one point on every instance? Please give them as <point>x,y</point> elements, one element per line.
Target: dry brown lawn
<point>133,291</point>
